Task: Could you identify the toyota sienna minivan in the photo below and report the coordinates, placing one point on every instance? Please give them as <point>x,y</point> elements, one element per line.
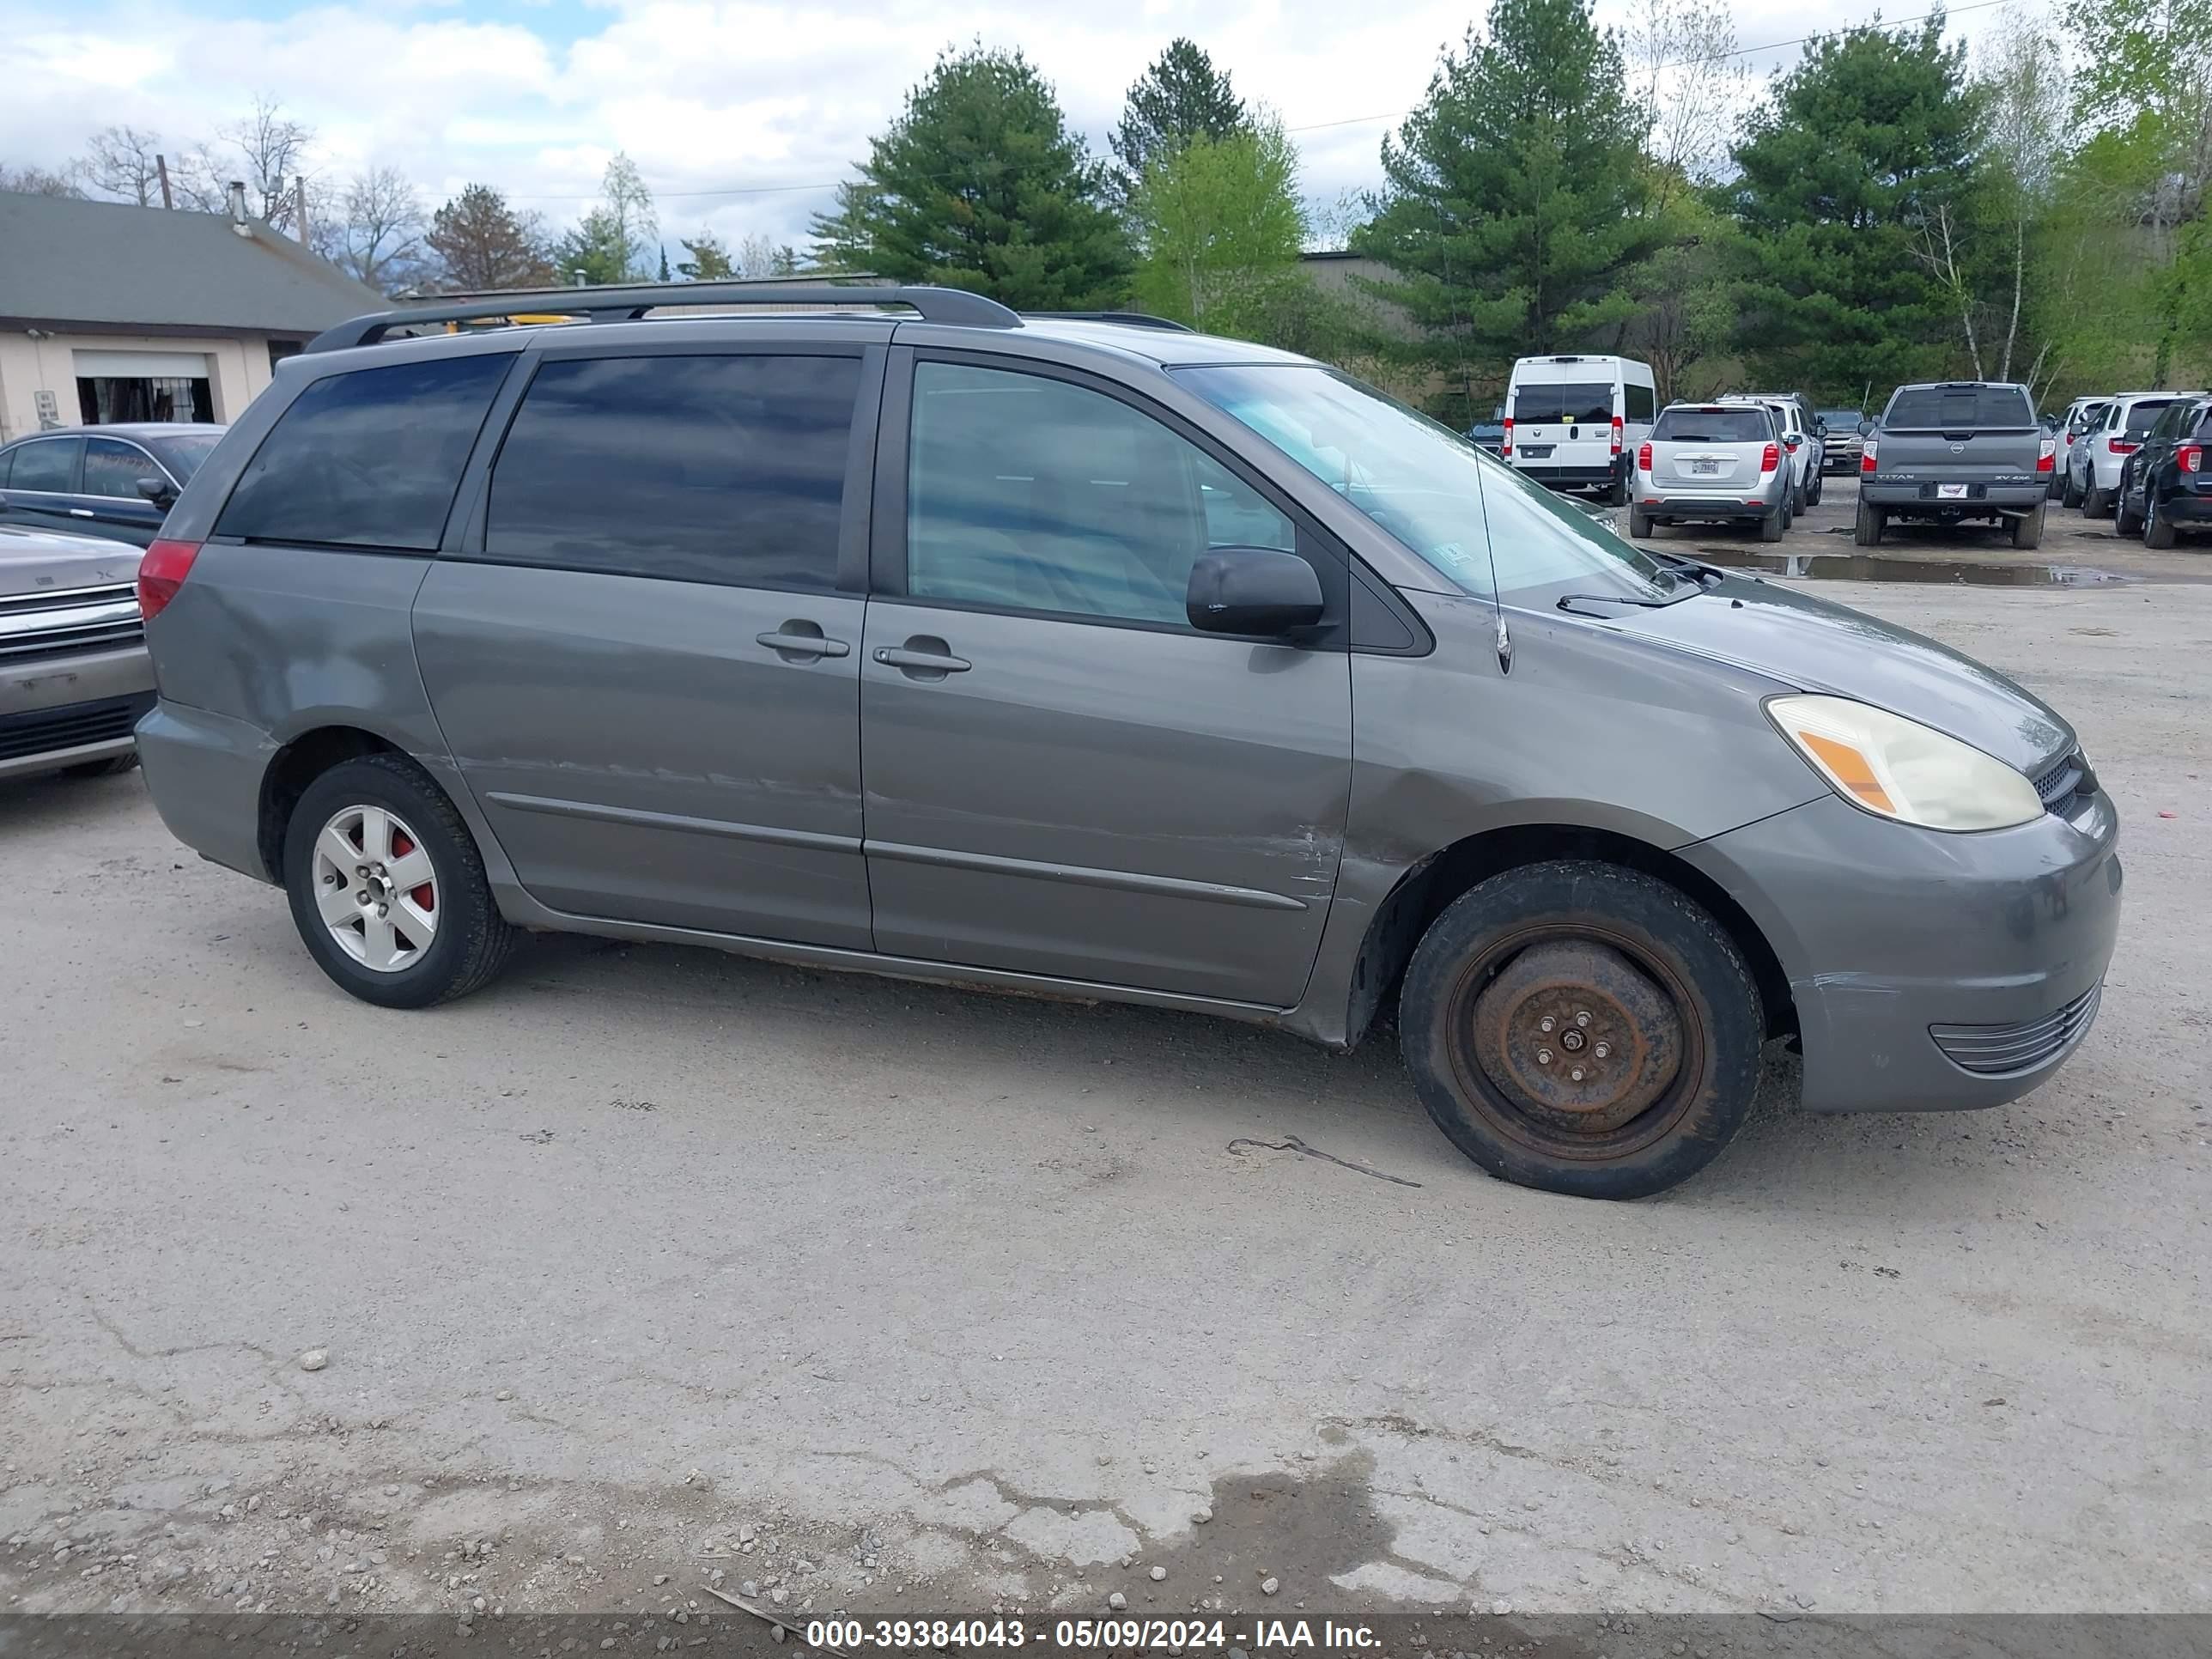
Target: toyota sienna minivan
<point>1090,657</point>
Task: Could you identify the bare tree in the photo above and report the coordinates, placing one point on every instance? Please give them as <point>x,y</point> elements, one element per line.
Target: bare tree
<point>1938,244</point>
<point>376,233</point>
<point>1683,63</point>
<point>756,255</point>
<point>263,149</point>
<point>126,164</point>
<point>2025,100</point>
<point>40,181</point>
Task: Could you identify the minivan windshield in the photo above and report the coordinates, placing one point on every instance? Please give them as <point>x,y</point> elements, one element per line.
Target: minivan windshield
<point>1712,426</point>
<point>1564,400</point>
<point>1458,507</point>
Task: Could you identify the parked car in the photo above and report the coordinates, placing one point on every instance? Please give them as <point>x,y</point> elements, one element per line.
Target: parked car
<point>74,675</point>
<point>1574,421</point>
<point>2094,482</point>
<point>1490,435</point>
<point>1952,451</point>
<point>1087,660</point>
<point>1713,463</point>
<point>2166,486</point>
<point>1801,450</point>
<point>2080,414</point>
<point>112,481</point>
<point>1842,433</point>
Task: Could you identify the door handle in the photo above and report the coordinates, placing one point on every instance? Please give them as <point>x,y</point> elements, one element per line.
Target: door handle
<point>800,642</point>
<point>922,658</point>
<point>79,513</point>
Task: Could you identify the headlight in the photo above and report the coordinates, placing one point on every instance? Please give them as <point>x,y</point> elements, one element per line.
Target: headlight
<point>1902,769</point>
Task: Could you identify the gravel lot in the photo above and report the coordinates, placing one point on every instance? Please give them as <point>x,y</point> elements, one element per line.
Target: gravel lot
<point>895,1298</point>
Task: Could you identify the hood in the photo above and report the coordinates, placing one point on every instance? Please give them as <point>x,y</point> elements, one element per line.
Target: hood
<point>54,562</point>
<point>1816,646</point>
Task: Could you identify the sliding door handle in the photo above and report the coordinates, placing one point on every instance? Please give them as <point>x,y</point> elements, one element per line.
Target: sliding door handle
<point>802,641</point>
<point>924,657</point>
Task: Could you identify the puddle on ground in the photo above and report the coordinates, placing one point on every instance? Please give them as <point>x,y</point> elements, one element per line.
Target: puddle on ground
<point>1875,567</point>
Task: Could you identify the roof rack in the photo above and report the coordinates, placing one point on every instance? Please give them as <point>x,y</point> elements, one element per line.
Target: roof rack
<point>631,303</point>
<point>1126,318</point>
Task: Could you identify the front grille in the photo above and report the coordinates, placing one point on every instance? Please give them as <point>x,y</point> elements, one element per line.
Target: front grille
<point>44,731</point>
<point>2066,780</point>
<point>34,627</point>
<point>2007,1050</point>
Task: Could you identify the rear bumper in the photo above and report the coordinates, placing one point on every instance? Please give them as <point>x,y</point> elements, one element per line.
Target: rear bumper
<point>1660,506</point>
<point>1914,495</point>
<point>1545,472</point>
<point>204,772</point>
<point>2186,506</point>
<point>68,711</point>
<point>1931,972</point>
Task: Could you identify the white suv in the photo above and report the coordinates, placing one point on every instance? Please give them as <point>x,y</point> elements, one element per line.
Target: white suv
<point>1801,447</point>
<point>2094,463</point>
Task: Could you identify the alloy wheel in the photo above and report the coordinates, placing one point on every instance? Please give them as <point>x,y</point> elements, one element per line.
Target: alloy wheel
<point>375,887</point>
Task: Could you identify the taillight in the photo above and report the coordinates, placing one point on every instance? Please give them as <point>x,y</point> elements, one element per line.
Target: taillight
<point>1866,456</point>
<point>1644,458</point>
<point>2190,458</point>
<point>1506,448</point>
<point>2047,459</point>
<point>1769,458</point>
<point>2122,446</point>
<point>162,573</point>
<point>1616,434</point>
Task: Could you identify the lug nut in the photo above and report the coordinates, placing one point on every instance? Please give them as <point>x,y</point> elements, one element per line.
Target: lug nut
<point>1602,1050</point>
<point>361,897</point>
<point>1545,1024</point>
<point>1543,1056</point>
<point>1576,1074</point>
<point>383,909</point>
<point>1581,1016</point>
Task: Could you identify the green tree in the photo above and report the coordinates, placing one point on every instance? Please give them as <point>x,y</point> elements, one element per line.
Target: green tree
<point>1512,197</point>
<point>709,261</point>
<point>1180,97</point>
<point>980,184</point>
<point>615,241</point>
<point>1220,227</point>
<point>1852,180</point>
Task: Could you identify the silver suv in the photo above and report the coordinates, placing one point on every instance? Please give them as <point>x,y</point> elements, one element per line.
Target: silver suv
<point>1093,658</point>
<point>1713,463</point>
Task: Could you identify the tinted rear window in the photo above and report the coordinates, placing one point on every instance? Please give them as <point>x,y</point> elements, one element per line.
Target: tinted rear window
<point>721,469</point>
<point>1722,426</point>
<point>1959,408</point>
<point>370,459</point>
<point>2144,416</point>
<point>49,464</point>
<point>1569,400</point>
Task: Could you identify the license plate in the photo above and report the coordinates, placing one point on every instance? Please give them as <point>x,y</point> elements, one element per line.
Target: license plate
<point>1537,452</point>
<point>1705,469</point>
<point>1950,492</point>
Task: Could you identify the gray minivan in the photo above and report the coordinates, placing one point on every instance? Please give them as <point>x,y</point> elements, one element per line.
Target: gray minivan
<point>1092,657</point>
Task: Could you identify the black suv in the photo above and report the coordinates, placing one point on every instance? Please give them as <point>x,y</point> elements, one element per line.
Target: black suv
<point>2167,486</point>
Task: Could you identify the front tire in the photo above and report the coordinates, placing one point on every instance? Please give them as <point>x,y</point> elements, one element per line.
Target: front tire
<point>2126,521</point>
<point>113,766</point>
<point>2070,494</point>
<point>2158,529</point>
<point>1583,1028</point>
<point>387,888</point>
<point>1871,522</point>
<point>1816,487</point>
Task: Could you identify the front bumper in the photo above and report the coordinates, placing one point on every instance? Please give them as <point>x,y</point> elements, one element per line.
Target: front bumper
<point>1983,496</point>
<point>71,710</point>
<point>1908,948</point>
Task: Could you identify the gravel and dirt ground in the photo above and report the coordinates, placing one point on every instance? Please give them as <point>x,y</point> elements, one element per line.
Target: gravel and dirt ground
<point>653,1262</point>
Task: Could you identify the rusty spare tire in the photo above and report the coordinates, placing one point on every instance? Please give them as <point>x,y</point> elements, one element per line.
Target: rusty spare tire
<point>1583,1028</point>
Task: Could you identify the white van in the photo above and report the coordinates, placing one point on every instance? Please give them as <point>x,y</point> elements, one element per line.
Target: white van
<point>1574,422</point>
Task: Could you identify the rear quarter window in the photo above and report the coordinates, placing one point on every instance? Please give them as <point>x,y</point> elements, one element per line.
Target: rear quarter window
<point>1959,409</point>
<point>2144,416</point>
<point>367,459</point>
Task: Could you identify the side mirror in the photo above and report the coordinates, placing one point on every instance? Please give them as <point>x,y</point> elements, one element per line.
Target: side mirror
<point>1252,590</point>
<point>1793,440</point>
<point>1866,428</point>
<point>159,491</point>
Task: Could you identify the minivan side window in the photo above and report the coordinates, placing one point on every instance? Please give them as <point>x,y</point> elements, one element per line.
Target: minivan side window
<point>725,469</point>
<point>367,459</point>
<point>1638,401</point>
<point>1025,493</point>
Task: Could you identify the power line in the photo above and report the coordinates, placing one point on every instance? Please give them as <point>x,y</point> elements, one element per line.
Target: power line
<point>1311,127</point>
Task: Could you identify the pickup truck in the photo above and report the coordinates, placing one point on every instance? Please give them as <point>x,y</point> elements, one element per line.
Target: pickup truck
<point>1957,450</point>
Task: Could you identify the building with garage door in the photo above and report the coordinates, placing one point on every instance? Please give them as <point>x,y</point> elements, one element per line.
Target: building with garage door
<point>110,312</point>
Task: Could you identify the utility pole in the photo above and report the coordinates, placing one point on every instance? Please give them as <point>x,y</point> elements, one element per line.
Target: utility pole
<point>161,166</point>
<point>299,205</point>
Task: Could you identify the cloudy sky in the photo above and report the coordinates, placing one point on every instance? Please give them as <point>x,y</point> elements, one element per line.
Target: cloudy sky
<point>740,112</point>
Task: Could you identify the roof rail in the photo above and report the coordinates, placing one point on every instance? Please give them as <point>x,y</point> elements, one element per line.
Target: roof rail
<point>631,303</point>
<point>1126,318</point>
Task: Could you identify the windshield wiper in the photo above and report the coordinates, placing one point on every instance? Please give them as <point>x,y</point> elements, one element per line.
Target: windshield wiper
<point>1564,600</point>
<point>1676,562</point>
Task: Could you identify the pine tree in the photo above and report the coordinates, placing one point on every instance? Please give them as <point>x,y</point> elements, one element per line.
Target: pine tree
<point>1180,97</point>
<point>980,184</point>
<point>1511,202</point>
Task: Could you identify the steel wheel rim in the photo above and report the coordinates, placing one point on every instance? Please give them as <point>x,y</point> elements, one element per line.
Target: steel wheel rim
<point>1497,1108</point>
<point>376,889</point>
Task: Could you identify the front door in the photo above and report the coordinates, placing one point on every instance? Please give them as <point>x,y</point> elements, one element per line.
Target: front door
<point>109,491</point>
<point>646,669</point>
<point>1063,776</point>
